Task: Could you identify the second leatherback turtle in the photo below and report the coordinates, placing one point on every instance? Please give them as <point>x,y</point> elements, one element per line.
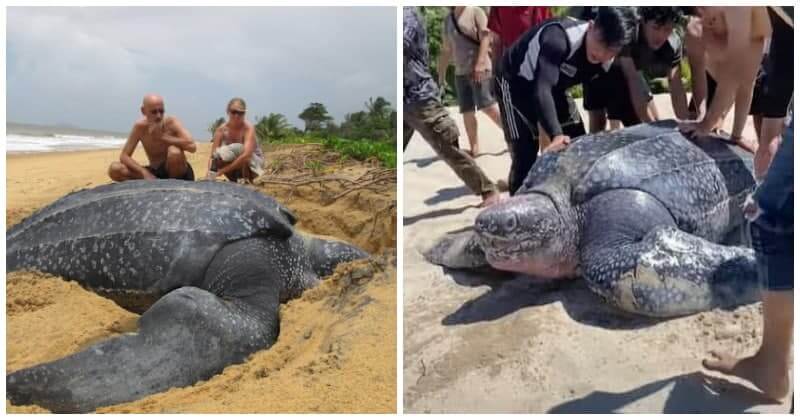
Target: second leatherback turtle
<point>651,221</point>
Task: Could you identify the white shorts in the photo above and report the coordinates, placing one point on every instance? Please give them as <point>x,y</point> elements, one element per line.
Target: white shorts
<point>229,153</point>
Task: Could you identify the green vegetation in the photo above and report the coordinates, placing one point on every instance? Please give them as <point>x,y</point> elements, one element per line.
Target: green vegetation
<point>362,150</point>
<point>561,11</point>
<point>365,134</point>
<point>272,127</point>
<point>661,85</point>
<point>384,152</point>
<point>315,166</point>
<point>576,91</point>
<point>279,163</point>
<point>434,17</point>
<point>378,121</point>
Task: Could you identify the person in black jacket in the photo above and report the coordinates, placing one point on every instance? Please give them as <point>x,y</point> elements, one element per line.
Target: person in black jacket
<point>539,68</point>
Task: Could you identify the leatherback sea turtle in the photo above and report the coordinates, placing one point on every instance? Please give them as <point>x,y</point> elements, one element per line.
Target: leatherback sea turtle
<point>649,219</point>
<point>221,257</point>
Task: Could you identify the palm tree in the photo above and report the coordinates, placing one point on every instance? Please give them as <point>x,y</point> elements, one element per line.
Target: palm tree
<point>273,126</point>
<point>378,108</point>
<point>215,125</point>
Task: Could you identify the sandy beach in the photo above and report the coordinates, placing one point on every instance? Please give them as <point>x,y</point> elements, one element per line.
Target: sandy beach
<point>476,343</point>
<point>36,179</point>
<point>337,347</point>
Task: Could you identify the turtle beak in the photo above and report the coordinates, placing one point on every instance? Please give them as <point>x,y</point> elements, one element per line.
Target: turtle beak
<point>496,222</point>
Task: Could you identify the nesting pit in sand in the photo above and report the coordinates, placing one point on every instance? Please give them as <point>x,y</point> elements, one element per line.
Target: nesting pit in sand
<point>337,347</point>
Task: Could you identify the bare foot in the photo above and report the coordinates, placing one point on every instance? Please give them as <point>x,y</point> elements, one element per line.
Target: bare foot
<point>473,152</point>
<point>490,199</point>
<point>749,145</point>
<point>760,372</point>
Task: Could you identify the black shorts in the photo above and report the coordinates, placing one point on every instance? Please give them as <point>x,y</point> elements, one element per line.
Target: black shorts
<point>609,91</point>
<point>520,124</point>
<point>160,172</point>
<point>775,82</point>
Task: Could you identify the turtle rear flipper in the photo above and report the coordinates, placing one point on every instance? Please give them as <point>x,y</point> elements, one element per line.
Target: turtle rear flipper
<point>188,335</point>
<point>646,265</point>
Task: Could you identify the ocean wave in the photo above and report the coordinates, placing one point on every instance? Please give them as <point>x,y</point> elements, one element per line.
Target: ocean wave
<point>16,143</point>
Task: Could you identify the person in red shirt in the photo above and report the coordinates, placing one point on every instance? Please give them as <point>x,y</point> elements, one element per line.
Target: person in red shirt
<point>509,22</point>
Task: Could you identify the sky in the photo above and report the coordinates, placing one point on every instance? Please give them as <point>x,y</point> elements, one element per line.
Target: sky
<point>90,66</point>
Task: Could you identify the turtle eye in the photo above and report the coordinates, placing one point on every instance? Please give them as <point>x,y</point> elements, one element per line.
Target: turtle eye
<point>511,222</point>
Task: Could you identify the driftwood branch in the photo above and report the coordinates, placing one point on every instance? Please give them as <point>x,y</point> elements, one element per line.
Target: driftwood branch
<point>391,206</point>
<point>374,180</point>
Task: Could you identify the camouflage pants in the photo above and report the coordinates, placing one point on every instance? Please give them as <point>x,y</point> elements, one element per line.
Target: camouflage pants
<point>436,126</point>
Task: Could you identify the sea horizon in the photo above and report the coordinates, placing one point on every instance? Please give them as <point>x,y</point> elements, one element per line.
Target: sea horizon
<point>43,138</point>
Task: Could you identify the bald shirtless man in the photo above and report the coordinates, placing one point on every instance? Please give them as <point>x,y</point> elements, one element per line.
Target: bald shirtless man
<point>164,139</point>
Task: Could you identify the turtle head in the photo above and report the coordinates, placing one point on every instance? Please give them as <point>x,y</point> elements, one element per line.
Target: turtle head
<point>528,234</point>
<point>326,253</point>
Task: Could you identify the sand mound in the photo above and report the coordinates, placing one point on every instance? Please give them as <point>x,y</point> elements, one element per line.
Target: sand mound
<point>50,303</point>
<point>337,347</point>
<point>333,196</point>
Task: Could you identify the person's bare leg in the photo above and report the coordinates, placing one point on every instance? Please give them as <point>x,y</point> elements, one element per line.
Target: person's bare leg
<point>544,139</point>
<point>119,172</point>
<point>718,125</point>
<point>493,112</point>
<point>614,124</point>
<point>176,162</point>
<point>651,106</point>
<point>247,174</point>
<point>768,140</point>
<point>757,125</point>
<point>768,369</point>
<point>213,170</point>
<point>471,126</point>
<point>597,121</point>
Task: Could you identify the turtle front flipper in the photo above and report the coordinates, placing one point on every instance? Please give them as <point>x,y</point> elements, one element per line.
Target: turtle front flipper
<point>458,251</point>
<point>635,257</point>
<point>188,335</point>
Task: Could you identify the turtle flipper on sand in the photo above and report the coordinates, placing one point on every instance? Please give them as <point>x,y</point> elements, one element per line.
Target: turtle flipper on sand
<point>220,258</point>
<point>650,220</point>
